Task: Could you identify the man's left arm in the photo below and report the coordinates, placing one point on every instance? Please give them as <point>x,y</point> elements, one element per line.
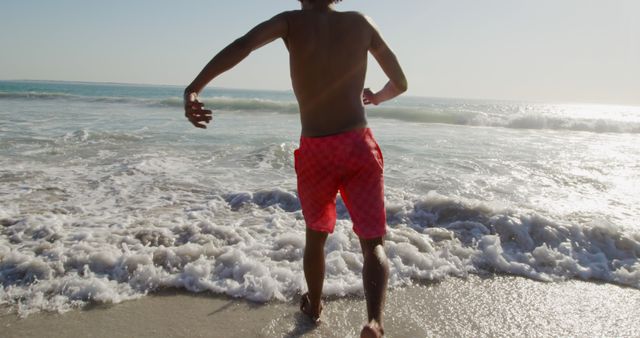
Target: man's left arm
<point>226,59</point>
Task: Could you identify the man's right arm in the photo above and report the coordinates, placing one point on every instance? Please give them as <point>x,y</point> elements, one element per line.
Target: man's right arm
<point>262,34</point>
<point>257,37</point>
<point>397,83</point>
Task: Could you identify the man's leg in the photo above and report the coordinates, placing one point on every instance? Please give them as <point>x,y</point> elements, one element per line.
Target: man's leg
<point>375,274</point>
<point>314,269</point>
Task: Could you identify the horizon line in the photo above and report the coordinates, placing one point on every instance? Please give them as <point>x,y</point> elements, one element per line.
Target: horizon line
<point>291,91</point>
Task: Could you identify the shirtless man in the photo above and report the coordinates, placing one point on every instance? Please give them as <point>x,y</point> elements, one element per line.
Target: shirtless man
<point>328,62</point>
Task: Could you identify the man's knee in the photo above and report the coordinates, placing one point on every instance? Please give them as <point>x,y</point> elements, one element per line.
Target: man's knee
<point>315,238</point>
<point>373,248</point>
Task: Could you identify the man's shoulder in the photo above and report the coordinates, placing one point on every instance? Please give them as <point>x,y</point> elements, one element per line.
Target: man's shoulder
<point>359,17</point>
<point>286,14</point>
<point>354,14</point>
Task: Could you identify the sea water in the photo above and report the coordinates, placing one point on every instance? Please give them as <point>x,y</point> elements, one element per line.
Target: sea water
<point>108,193</point>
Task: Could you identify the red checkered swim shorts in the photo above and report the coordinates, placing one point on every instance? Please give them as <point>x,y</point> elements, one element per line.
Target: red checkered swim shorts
<point>351,163</point>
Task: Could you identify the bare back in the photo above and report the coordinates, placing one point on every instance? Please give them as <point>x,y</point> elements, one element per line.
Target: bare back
<point>328,63</point>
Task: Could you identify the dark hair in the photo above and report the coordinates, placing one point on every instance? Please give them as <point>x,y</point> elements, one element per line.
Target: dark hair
<point>328,1</point>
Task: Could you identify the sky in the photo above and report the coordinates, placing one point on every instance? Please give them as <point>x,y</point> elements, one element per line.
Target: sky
<point>540,50</point>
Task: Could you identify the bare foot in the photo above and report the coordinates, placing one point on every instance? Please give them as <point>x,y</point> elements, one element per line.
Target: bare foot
<point>372,330</point>
<point>309,310</point>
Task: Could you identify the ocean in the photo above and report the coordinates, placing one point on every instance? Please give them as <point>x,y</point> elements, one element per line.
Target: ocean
<point>107,193</point>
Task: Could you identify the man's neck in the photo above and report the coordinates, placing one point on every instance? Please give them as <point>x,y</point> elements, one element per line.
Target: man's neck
<point>317,5</point>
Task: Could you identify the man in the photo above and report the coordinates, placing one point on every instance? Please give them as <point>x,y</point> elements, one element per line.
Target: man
<point>328,60</point>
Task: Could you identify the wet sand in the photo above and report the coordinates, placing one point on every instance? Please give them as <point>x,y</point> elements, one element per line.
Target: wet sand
<point>497,306</point>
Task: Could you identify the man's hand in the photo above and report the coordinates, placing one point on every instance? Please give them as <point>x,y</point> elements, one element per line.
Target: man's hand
<point>193,111</point>
<point>369,97</point>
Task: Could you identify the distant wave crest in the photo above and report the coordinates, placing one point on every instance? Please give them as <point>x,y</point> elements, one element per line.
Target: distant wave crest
<point>454,114</point>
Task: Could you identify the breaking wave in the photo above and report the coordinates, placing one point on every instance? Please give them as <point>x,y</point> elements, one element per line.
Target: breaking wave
<point>60,260</point>
<point>491,115</point>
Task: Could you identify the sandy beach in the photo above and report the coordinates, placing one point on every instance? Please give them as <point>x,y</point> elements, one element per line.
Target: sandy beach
<point>501,306</point>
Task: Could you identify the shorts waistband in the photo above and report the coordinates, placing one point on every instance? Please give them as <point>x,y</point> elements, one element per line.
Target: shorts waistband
<point>353,134</point>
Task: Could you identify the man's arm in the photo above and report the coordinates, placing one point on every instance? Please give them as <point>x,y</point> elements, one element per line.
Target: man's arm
<point>226,59</point>
<point>397,83</point>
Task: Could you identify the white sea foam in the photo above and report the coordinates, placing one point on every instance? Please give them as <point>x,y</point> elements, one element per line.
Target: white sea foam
<point>52,262</point>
